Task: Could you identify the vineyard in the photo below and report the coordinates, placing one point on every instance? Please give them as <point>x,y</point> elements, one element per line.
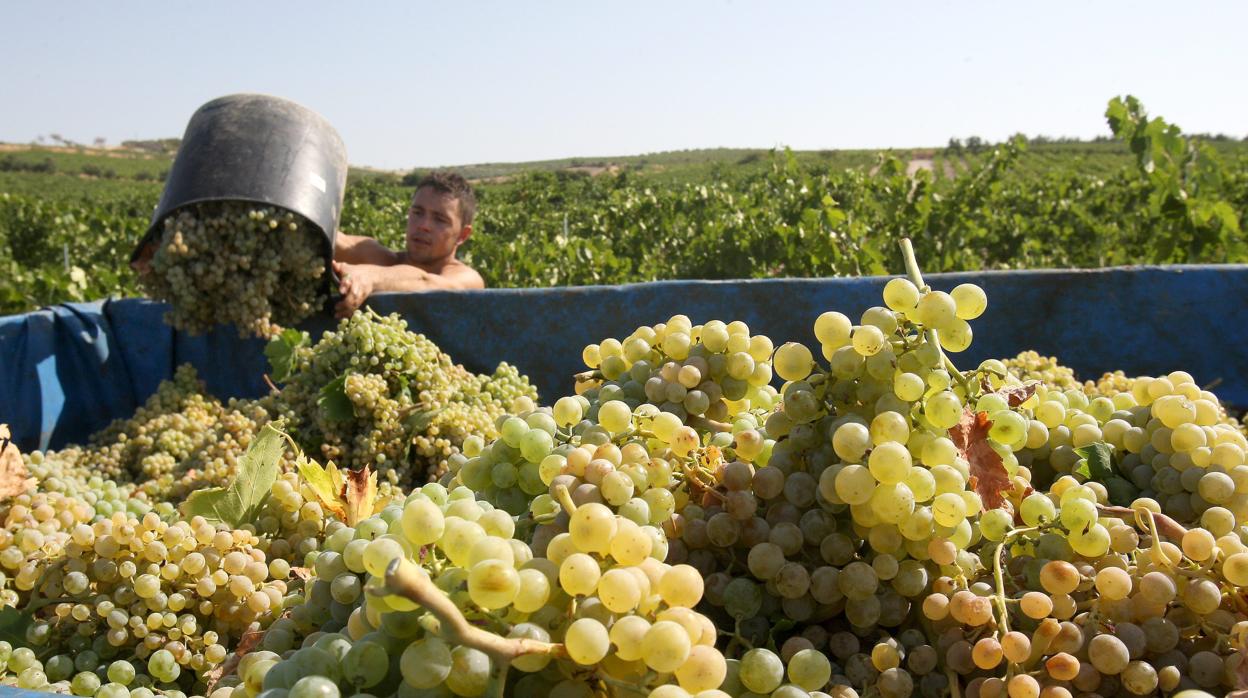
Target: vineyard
<point>697,509</point>
<point>1152,197</point>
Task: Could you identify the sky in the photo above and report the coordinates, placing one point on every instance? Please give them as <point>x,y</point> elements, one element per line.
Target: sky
<point>411,84</point>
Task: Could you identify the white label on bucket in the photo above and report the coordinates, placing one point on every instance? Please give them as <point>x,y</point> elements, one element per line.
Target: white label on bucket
<point>317,181</point>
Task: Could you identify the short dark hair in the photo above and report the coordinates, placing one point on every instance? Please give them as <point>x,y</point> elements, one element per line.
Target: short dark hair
<point>457,187</point>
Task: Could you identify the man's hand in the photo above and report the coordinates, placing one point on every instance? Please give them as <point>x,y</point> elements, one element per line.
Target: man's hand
<point>356,283</point>
<point>142,264</point>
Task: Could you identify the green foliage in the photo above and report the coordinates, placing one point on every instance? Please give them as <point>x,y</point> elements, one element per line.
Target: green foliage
<point>1152,196</point>
<point>280,351</point>
<point>1098,465</point>
<point>239,503</point>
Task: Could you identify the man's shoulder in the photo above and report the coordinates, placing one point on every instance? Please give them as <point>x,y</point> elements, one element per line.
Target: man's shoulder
<point>465,276</point>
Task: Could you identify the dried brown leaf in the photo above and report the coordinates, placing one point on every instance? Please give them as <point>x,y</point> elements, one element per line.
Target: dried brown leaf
<point>1016,395</point>
<point>14,478</point>
<point>988,475</point>
<point>248,642</point>
<point>359,495</point>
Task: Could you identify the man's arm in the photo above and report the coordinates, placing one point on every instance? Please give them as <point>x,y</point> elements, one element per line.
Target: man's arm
<point>359,281</point>
<point>358,249</point>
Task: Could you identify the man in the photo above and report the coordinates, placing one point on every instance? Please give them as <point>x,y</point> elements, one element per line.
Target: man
<point>438,222</point>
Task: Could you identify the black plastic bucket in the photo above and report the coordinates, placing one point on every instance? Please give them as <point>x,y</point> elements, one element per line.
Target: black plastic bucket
<point>259,149</point>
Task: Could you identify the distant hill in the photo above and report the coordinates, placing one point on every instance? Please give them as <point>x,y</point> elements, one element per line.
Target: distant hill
<point>150,160</point>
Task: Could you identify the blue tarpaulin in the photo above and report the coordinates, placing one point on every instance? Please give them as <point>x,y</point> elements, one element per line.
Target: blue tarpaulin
<point>66,371</point>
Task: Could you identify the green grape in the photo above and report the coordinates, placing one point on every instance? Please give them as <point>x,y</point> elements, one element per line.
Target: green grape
<point>900,294</point>
<point>379,554</point>
<point>470,671</point>
<point>665,646</point>
<point>996,523</point>
<point>426,663</point>
<point>943,409</point>
<point>1078,513</point>
<point>314,687</point>
<point>85,684</point>
<point>793,361</point>
<point>970,301</point>
<point>810,669</point>
<point>761,671</point>
<point>365,664</point>
<point>587,641</point>
<point>833,329</point>
<point>889,463</point>
<point>121,672</point>
<point>949,509</point>
<point>493,584</point>
<point>1037,509</point>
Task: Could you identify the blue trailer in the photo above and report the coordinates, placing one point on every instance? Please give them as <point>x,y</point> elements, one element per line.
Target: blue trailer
<point>67,370</point>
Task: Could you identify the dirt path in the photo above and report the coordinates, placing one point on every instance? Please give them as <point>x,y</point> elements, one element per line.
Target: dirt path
<point>916,164</point>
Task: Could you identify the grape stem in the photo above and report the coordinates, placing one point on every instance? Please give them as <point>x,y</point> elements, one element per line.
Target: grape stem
<point>565,499</point>
<point>1163,524</point>
<point>998,574</point>
<point>916,278</point>
<point>703,423</point>
<point>406,579</point>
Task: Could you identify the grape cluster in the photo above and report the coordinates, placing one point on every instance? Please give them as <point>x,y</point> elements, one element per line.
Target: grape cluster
<point>715,370</point>
<point>1034,366</point>
<point>179,440</point>
<point>234,262</point>
<point>603,587</point>
<point>172,596</point>
<point>408,406</point>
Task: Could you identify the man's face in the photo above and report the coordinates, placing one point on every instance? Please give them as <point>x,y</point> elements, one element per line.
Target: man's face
<point>434,227</point>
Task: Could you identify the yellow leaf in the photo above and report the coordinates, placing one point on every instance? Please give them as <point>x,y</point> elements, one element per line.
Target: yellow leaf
<point>339,482</point>
<point>360,495</point>
<point>322,482</point>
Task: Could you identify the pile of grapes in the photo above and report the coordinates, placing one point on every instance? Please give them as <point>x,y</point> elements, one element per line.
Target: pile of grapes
<point>233,262</point>
<point>884,524</point>
<point>374,393</point>
<point>179,440</point>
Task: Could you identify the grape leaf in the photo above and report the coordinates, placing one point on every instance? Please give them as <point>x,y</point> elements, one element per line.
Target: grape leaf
<point>280,352</point>
<point>1016,395</point>
<point>240,502</point>
<point>988,475</point>
<point>13,624</point>
<point>326,482</point>
<point>14,478</point>
<point>1097,462</point>
<point>1098,465</point>
<point>351,495</point>
<point>333,400</point>
<point>420,420</point>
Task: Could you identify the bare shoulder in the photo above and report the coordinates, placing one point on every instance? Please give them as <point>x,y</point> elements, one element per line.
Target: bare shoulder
<point>462,276</point>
